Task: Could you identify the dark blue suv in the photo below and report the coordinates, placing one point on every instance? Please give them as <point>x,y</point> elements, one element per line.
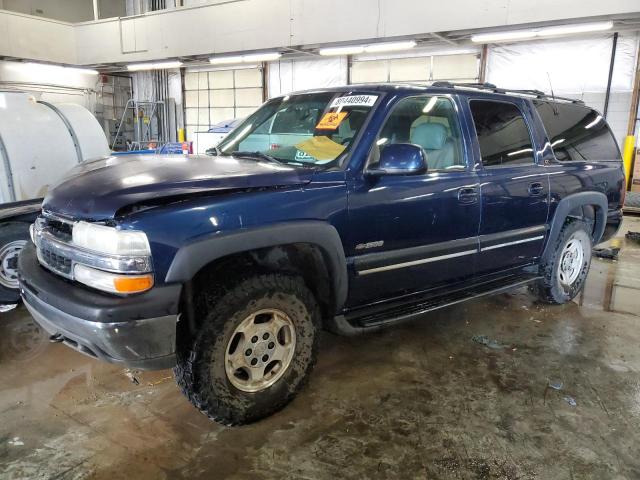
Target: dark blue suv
<point>349,209</point>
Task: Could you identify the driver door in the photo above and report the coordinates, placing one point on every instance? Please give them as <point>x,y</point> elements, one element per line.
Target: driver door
<point>411,233</point>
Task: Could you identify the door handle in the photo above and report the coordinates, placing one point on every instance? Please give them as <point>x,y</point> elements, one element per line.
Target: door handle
<point>468,195</point>
<point>535,189</point>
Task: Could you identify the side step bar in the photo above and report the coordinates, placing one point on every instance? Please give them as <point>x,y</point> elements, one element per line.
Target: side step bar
<point>353,324</point>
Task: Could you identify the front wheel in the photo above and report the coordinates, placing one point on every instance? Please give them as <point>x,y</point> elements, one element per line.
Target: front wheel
<point>565,269</point>
<point>256,345</point>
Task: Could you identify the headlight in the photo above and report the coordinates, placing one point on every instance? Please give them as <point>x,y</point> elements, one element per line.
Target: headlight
<point>112,282</point>
<point>109,240</point>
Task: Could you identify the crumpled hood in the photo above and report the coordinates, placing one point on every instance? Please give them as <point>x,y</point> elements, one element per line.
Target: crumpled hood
<point>97,189</point>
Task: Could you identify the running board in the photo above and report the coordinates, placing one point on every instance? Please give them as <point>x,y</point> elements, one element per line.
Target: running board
<point>354,324</point>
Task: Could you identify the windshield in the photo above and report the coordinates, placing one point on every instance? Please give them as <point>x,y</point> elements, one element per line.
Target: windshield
<point>314,129</point>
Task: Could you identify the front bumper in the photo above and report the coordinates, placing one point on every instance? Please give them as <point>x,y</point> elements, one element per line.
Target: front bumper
<point>137,331</point>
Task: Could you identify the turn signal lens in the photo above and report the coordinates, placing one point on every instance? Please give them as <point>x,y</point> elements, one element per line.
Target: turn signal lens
<point>112,282</point>
<point>133,284</point>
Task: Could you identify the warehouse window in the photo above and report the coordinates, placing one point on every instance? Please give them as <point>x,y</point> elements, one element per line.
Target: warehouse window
<point>214,96</point>
<point>503,134</point>
<point>458,68</point>
<point>577,133</point>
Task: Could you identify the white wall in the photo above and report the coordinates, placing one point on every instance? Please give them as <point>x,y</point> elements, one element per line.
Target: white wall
<point>232,26</point>
<point>52,84</point>
<point>292,75</point>
<point>65,10</point>
<point>576,68</point>
<point>23,36</point>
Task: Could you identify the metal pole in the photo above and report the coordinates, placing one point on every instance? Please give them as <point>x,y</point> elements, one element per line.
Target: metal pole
<point>96,10</point>
<point>613,60</point>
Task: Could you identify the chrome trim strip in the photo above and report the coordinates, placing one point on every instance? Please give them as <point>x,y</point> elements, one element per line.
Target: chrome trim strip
<point>515,242</point>
<point>417,262</point>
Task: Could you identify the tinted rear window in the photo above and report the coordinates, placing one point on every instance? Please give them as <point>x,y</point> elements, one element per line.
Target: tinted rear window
<point>577,133</point>
<point>502,132</point>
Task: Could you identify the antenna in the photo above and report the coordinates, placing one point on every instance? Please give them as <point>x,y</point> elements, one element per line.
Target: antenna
<point>555,110</point>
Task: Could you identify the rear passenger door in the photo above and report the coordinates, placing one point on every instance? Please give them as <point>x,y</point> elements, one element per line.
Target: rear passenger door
<point>514,189</point>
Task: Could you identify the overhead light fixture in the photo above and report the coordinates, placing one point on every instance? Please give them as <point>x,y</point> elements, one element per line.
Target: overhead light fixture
<point>430,104</point>
<point>135,67</point>
<point>371,48</point>
<point>349,50</point>
<point>261,57</point>
<point>389,46</point>
<point>252,57</point>
<point>541,32</point>
<point>46,69</point>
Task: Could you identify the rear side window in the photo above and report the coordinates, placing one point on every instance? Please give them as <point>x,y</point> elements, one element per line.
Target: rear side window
<point>577,133</point>
<point>503,134</point>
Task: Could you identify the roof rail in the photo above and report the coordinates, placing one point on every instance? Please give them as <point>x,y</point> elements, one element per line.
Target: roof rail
<point>492,88</point>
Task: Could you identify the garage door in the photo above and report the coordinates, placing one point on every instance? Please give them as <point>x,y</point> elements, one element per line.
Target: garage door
<point>459,68</point>
<point>217,95</point>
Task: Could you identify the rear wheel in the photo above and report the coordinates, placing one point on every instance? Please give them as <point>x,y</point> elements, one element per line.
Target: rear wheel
<point>565,269</point>
<point>256,345</point>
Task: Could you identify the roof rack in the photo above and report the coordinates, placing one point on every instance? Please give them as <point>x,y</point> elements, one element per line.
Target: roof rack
<point>492,88</point>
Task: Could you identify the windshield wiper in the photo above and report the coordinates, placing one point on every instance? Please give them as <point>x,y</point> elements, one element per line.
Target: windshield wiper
<point>260,155</point>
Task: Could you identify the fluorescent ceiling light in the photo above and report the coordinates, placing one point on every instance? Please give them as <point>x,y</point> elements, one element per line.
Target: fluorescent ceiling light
<point>541,32</point>
<point>594,122</point>
<point>389,46</point>
<point>134,67</point>
<point>45,69</point>
<point>252,57</point>
<point>261,57</point>
<point>372,48</point>
<point>348,50</point>
<point>579,28</point>
<point>223,60</point>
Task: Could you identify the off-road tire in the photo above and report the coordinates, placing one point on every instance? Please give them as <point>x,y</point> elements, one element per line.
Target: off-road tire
<point>200,371</point>
<point>549,288</point>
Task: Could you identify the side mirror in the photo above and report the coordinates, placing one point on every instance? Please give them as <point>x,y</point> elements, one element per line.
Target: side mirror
<point>400,159</point>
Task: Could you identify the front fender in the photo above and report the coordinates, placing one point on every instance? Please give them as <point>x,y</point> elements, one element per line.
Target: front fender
<point>191,258</point>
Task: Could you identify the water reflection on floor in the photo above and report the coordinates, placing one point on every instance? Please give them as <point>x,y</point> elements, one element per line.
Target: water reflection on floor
<point>555,394</point>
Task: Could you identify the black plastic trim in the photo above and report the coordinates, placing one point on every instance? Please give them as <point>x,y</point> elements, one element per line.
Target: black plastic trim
<point>573,201</point>
<point>81,302</point>
<point>193,257</point>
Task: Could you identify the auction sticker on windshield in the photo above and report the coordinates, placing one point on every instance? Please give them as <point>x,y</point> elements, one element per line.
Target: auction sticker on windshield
<point>331,120</point>
<point>354,101</point>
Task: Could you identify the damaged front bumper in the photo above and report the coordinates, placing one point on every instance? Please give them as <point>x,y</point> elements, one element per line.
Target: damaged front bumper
<point>137,331</point>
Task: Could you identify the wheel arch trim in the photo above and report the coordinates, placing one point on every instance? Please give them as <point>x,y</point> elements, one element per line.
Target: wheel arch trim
<point>573,201</point>
<point>191,258</point>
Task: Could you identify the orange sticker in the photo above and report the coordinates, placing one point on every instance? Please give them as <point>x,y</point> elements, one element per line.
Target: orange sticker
<point>331,120</point>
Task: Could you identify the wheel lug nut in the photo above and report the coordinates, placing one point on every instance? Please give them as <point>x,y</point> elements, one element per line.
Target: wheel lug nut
<point>271,345</point>
<point>265,336</point>
<point>254,361</point>
<point>254,339</point>
<point>248,352</point>
<point>265,358</point>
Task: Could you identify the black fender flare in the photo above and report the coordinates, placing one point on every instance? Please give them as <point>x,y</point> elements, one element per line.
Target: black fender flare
<point>193,257</point>
<point>571,202</point>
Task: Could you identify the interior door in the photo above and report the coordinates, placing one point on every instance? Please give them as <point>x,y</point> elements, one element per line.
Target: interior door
<point>513,187</point>
<point>411,233</point>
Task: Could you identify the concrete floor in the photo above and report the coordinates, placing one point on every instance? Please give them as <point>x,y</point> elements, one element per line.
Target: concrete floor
<point>423,400</point>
